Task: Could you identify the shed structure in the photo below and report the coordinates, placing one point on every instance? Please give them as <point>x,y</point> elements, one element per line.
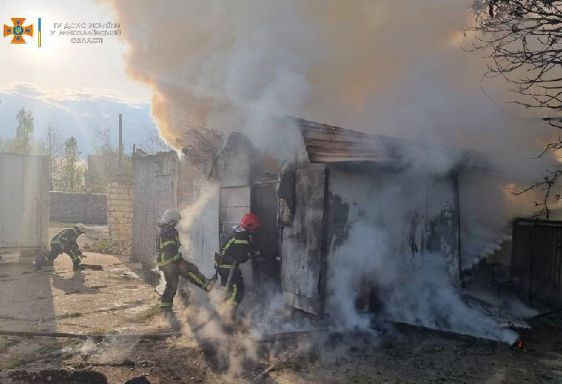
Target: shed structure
<point>337,179</point>
<point>342,181</point>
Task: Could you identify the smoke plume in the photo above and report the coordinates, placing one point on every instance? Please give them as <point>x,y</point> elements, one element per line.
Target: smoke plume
<point>391,67</point>
<point>383,67</point>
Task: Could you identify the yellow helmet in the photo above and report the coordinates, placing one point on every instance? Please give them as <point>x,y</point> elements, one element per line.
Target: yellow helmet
<point>80,228</point>
<point>170,217</point>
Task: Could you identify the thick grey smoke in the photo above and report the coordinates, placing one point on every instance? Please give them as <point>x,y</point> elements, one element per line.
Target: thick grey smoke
<point>413,288</point>
<point>384,67</point>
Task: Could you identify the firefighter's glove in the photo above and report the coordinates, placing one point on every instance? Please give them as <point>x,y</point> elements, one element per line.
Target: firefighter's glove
<point>210,284</point>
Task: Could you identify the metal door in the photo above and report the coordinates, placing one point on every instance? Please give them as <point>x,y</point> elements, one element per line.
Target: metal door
<point>264,204</point>
<point>301,242</point>
<point>234,202</point>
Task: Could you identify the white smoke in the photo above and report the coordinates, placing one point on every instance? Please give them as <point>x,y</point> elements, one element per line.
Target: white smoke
<point>413,291</point>
<point>415,288</point>
<point>199,223</point>
<point>386,67</point>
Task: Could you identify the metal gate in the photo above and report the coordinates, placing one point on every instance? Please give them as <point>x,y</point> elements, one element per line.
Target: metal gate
<point>536,261</point>
<point>155,180</point>
<point>24,201</point>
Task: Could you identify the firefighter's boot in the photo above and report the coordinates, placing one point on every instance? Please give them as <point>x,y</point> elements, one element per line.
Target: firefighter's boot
<point>77,267</point>
<point>42,262</point>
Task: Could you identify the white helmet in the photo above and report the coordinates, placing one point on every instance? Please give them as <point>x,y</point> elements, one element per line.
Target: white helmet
<point>80,228</point>
<point>170,217</point>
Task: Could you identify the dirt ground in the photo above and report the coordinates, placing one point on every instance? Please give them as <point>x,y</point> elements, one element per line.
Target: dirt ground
<point>115,299</point>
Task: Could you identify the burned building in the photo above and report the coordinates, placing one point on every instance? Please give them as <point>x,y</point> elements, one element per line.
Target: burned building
<point>335,181</point>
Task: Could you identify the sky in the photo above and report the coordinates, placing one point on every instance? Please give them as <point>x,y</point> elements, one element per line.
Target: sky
<point>75,87</point>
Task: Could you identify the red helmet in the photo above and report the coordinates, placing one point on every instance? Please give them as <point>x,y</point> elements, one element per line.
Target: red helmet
<point>250,222</point>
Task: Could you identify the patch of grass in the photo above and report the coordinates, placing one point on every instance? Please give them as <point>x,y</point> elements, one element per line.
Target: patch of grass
<point>98,331</point>
<point>69,315</point>
<point>360,378</point>
<point>11,363</point>
<point>67,356</point>
<point>6,343</point>
<point>102,246</point>
<point>297,364</point>
<point>146,315</point>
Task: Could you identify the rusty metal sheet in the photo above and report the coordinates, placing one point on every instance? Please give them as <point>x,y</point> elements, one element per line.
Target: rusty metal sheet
<point>326,144</point>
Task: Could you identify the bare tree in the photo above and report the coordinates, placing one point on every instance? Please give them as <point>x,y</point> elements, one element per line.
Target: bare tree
<point>523,41</point>
<point>104,144</point>
<point>154,144</point>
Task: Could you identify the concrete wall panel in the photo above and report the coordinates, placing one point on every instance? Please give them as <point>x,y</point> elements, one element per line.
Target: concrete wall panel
<point>71,207</point>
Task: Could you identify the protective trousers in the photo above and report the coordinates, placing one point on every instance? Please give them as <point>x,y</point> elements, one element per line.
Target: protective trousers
<point>236,292</point>
<point>56,249</point>
<point>172,273</point>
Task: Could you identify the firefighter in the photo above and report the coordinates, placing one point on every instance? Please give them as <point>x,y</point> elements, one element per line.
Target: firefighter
<point>64,241</point>
<point>171,262</point>
<point>239,248</point>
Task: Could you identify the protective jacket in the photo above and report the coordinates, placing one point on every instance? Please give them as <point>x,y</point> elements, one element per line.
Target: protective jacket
<point>237,248</point>
<point>171,263</point>
<point>168,246</point>
<point>65,241</point>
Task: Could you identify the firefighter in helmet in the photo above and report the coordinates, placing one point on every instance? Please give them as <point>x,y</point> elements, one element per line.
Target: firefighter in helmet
<point>64,242</point>
<point>171,262</point>
<point>238,248</point>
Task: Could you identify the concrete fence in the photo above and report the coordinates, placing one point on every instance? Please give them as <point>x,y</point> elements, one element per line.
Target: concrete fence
<point>71,207</point>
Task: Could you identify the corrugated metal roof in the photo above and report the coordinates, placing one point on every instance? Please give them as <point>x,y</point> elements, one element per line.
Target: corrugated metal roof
<point>328,144</point>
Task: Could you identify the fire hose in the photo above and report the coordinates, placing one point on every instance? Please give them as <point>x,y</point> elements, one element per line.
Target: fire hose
<point>148,336</point>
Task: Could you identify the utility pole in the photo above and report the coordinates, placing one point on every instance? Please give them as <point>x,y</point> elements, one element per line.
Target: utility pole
<point>120,144</point>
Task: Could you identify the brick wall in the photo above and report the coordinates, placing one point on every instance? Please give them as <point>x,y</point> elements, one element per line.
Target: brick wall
<point>71,207</point>
<point>120,214</point>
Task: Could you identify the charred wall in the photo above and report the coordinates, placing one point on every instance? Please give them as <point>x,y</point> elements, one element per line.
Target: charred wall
<point>382,198</point>
<point>536,267</point>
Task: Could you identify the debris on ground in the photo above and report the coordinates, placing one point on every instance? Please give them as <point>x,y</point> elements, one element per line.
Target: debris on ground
<point>111,305</point>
